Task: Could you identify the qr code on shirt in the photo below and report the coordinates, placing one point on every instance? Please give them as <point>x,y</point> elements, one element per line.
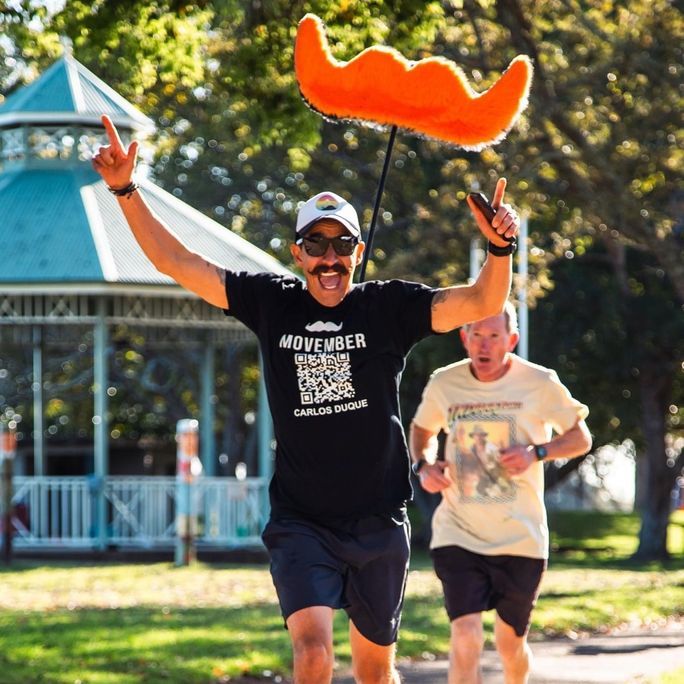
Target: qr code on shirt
<point>323,378</point>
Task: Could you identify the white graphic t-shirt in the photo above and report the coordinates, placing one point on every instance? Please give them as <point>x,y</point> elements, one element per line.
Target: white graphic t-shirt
<point>485,510</point>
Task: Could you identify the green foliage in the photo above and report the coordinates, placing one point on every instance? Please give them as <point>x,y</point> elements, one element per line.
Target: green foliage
<point>602,70</point>
<point>605,338</point>
<point>147,51</point>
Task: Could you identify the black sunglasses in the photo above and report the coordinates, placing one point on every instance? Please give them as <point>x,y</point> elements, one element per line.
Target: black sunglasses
<point>317,245</point>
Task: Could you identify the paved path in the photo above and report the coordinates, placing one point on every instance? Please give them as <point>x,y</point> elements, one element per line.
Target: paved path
<point>621,658</point>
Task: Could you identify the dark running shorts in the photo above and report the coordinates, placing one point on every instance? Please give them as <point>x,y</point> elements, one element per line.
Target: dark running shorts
<point>473,583</point>
<point>362,570</point>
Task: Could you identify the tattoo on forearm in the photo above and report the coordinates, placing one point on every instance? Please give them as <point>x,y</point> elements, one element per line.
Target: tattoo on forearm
<point>439,298</point>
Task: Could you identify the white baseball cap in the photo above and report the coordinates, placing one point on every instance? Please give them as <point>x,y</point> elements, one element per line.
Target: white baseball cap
<point>327,205</point>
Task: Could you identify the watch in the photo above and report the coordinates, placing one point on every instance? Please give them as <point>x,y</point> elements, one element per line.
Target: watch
<point>417,465</point>
<point>540,451</point>
<point>505,250</point>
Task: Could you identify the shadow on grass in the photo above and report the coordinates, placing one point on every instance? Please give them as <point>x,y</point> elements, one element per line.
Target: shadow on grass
<point>595,650</point>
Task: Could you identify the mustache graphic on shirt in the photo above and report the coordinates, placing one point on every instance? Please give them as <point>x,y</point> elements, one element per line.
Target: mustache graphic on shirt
<point>323,326</point>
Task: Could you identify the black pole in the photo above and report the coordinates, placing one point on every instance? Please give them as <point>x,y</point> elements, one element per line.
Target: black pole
<point>376,208</point>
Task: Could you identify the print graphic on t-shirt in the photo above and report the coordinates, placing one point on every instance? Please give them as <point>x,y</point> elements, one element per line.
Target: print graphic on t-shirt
<point>475,443</point>
<point>323,326</point>
<point>324,378</point>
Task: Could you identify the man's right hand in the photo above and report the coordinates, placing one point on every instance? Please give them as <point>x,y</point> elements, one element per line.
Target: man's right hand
<point>434,477</point>
<point>114,163</point>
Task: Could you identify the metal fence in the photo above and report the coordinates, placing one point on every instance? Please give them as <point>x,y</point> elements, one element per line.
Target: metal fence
<point>62,512</point>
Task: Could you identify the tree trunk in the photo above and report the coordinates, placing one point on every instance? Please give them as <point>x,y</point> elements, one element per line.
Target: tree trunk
<point>640,489</point>
<point>655,388</point>
<point>669,252</point>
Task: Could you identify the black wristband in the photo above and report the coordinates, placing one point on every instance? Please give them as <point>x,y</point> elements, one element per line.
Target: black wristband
<point>497,250</point>
<point>126,191</point>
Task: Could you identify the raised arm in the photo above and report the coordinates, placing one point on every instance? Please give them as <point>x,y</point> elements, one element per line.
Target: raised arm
<point>455,306</point>
<point>170,256</point>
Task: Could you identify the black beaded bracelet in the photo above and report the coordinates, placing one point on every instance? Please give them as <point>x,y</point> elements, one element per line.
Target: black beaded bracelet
<point>497,250</point>
<point>126,191</point>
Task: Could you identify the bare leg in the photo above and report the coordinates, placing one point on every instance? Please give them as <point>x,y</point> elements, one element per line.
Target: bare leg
<point>515,653</point>
<point>312,645</point>
<point>372,664</point>
<point>467,641</point>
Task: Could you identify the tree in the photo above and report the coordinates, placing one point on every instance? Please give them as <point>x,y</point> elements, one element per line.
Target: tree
<point>621,353</point>
<point>596,158</point>
<point>602,70</point>
<point>148,50</point>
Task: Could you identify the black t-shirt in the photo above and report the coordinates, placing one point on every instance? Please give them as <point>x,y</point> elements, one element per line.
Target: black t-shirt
<point>332,376</point>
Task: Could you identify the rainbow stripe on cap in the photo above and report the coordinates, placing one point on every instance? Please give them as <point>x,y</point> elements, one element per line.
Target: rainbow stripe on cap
<point>327,203</point>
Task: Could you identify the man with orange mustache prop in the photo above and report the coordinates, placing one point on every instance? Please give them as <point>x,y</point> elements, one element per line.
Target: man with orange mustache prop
<point>333,355</point>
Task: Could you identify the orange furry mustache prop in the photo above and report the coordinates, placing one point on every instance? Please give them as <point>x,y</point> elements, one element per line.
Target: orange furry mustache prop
<point>431,96</point>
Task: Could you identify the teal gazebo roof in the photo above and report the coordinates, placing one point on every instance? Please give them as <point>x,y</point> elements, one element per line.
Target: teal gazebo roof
<point>69,93</point>
<point>63,226</point>
<point>59,223</point>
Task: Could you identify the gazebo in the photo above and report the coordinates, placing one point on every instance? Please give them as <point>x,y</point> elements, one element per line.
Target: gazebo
<point>70,263</point>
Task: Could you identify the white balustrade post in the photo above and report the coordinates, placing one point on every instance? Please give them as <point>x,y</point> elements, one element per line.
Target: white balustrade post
<point>188,469</point>
<point>8,448</point>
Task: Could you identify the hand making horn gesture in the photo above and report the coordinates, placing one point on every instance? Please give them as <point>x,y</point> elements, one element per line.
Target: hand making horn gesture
<point>113,162</point>
<point>500,227</point>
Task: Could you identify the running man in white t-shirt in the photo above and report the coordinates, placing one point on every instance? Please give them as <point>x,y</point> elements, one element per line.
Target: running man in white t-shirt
<point>503,417</point>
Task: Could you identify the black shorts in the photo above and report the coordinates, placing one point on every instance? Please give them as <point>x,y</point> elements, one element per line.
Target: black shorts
<point>473,582</point>
<point>362,570</point>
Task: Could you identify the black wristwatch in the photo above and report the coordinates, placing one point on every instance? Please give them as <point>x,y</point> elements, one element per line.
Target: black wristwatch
<point>417,465</point>
<point>540,451</point>
<point>506,250</point>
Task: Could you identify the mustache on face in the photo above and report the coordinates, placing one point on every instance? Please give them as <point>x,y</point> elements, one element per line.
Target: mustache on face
<point>322,268</point>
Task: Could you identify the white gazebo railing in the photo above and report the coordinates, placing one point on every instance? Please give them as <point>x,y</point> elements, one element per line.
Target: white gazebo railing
<point>62,512</point>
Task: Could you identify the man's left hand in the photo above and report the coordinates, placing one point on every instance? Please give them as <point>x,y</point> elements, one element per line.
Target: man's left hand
<point>516,459</point>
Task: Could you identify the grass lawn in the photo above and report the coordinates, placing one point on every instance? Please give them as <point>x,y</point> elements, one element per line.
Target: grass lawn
<point>110,623</point>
